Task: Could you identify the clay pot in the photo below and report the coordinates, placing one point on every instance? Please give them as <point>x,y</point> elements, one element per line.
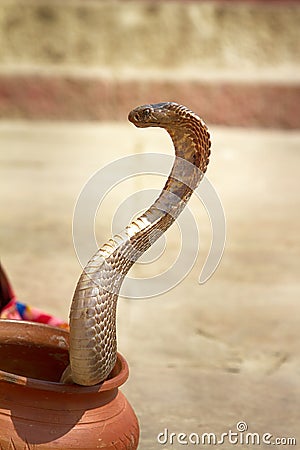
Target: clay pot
<point>38,412</point>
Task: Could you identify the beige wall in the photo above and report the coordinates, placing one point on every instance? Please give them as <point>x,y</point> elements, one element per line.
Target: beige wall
<point>123,37</point>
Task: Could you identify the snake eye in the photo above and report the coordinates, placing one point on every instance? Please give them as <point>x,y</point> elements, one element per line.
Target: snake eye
<point>147,112</point>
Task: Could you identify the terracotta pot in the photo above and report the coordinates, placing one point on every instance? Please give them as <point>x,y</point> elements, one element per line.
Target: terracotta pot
<point>38,412</point>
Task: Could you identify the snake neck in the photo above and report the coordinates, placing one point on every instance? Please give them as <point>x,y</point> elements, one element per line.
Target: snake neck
<point>192,150</point>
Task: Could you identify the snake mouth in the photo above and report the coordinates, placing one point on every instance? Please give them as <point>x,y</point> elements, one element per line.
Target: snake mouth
<point>142,117</point>
<point>140,124</point>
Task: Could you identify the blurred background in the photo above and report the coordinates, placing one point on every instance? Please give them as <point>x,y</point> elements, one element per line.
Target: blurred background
<point>202,357</point>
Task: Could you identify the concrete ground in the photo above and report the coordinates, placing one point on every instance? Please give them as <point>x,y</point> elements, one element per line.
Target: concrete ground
<point>202,357</point>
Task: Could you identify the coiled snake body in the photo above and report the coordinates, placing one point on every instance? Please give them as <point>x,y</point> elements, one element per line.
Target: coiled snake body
<point>93,344</point>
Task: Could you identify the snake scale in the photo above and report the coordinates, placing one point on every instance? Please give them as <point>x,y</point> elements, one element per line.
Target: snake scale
<point>93,343</point>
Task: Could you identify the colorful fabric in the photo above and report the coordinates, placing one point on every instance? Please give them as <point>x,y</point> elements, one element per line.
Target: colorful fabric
<point>20,311</point>
<point>11,308</point>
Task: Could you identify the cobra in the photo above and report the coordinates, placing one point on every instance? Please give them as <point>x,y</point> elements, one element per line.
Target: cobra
<point>93,341</point>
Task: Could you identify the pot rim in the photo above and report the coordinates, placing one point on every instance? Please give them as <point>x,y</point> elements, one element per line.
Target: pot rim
<point>23,330</point>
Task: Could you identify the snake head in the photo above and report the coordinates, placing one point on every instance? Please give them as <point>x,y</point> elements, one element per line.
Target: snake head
<point>155,115</point>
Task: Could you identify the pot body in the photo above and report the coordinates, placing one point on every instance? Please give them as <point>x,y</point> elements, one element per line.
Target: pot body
<point>38,412</point>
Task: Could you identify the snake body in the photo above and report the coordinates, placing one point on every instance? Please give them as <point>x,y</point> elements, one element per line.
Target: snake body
<point>93,343</point>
